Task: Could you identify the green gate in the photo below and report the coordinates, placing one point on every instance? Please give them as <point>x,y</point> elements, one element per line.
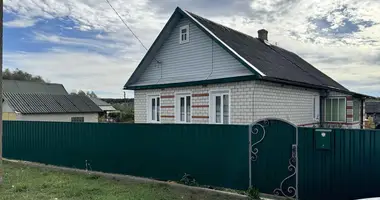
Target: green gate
<point>273,157</point>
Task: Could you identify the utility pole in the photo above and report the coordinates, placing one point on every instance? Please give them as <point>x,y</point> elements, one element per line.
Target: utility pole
<point>1,93</point>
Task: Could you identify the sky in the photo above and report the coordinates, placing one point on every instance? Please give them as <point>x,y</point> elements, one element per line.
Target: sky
<point>84,45</point>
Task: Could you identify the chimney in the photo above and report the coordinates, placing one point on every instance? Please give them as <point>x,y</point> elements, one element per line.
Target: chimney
<point>263,34</point>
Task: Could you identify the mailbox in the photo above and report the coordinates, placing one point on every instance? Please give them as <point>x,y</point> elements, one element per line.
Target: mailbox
<point>323,139</point>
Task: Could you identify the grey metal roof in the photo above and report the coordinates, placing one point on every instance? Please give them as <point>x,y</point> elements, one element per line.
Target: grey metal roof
<point>102,104</point>
<point>99,102</point>
<point>16,86</point>
<point>372,107</point>
<point>48,103</point>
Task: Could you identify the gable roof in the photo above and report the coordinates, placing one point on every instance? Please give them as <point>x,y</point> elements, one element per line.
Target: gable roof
<point>267,62</point>
<point>27,103</point>
<point>16,86</point>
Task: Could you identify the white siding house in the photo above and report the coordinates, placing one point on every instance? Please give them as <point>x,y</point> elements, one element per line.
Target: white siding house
<point>198,71</point>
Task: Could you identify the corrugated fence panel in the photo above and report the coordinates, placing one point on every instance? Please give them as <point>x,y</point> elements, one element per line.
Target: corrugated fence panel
<point>214,154</point>
<point>349,170</point>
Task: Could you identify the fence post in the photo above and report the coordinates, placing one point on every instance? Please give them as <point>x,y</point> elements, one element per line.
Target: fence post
<point>249,154</point>
<point>1,93</point>
<point>297,163</point>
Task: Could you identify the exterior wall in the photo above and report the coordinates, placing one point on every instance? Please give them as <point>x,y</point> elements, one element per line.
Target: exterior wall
<point>8,113</point>
<point>294,104</point>
<point>88,117</point>
<point>249,101</point>
<point>199,59</point>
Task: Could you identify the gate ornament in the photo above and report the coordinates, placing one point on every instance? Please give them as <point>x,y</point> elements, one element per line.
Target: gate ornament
<point>291,190</point>
<point>256,128</point>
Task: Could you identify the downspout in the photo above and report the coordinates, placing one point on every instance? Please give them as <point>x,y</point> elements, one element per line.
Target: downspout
<point>323,95</point>
<point>361,113</point>
<point>321,114</point>
<point>212,59</point>
<point>158,64</point>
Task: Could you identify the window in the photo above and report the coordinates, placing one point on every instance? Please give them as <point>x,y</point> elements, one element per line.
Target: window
<point>356,110</point>
<point>315,108</point>
<point>335,109</point>
<point>184,34</point>
<point>77,119</point>
<point>183,108</point>
<point>154,109</point>
<point>220,108</point>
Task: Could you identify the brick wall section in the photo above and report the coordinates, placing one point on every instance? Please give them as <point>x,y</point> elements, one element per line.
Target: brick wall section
<point>293,104</point>
<point>140,106</point>
<point>349,109</point>
<point>250,101</point>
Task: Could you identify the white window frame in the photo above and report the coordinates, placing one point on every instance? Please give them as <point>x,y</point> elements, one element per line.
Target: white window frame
<point>212,108</point>
<point>178,106</point>
<point>149,111</point>
<point>187,28</point>
<point>316,108</point>
<point>345,109</point>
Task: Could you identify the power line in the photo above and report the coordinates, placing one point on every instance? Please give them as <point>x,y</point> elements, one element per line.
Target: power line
<point>126,24</point>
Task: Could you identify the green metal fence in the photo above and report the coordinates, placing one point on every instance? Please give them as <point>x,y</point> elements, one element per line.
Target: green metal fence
<point>215,155</point>
<point>350,169</point>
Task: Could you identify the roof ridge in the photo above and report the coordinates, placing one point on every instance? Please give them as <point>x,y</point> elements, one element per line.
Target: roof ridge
<point>29,81</point>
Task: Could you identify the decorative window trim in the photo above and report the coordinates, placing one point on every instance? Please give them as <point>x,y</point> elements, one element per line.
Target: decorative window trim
<point>345,109</point>
<point>213,93</point>
<point>148,106</point>
<point>187,28</point>
<point>177,107</point>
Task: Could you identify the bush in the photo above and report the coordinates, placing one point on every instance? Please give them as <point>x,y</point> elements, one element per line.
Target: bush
<point>187,179</point>
<point>253,193</point>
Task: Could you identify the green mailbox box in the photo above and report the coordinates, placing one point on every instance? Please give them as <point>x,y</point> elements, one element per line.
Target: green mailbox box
<point>323,139</point>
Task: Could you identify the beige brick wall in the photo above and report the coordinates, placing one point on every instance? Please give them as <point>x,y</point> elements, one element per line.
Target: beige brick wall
<point>250,101</point>
<point>293,104</point>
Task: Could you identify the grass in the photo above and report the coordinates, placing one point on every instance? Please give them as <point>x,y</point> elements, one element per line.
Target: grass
<point>30,183</point>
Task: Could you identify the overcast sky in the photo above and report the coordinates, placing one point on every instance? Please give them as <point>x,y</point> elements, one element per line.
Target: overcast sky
<point>83,45</point>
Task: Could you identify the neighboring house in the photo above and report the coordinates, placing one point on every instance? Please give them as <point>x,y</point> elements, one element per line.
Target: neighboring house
<point>198,71</point>
<point>31,101</point>
<point>372,109</point>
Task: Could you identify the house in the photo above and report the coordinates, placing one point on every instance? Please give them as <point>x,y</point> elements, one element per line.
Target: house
<point>32,101</point>
<point>372,109</point>
<point>198,71</point>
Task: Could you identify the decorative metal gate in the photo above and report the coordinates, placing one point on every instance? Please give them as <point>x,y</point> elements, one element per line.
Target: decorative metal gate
<point>273,157</point>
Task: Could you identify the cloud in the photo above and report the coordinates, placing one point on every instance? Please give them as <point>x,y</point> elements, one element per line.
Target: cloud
<point>76,69</point>
<point>341,38</point>
<point>20,23</point>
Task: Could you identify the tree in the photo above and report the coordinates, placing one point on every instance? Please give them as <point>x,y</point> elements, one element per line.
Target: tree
<point>18,74</point>
<point>82,93</point>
